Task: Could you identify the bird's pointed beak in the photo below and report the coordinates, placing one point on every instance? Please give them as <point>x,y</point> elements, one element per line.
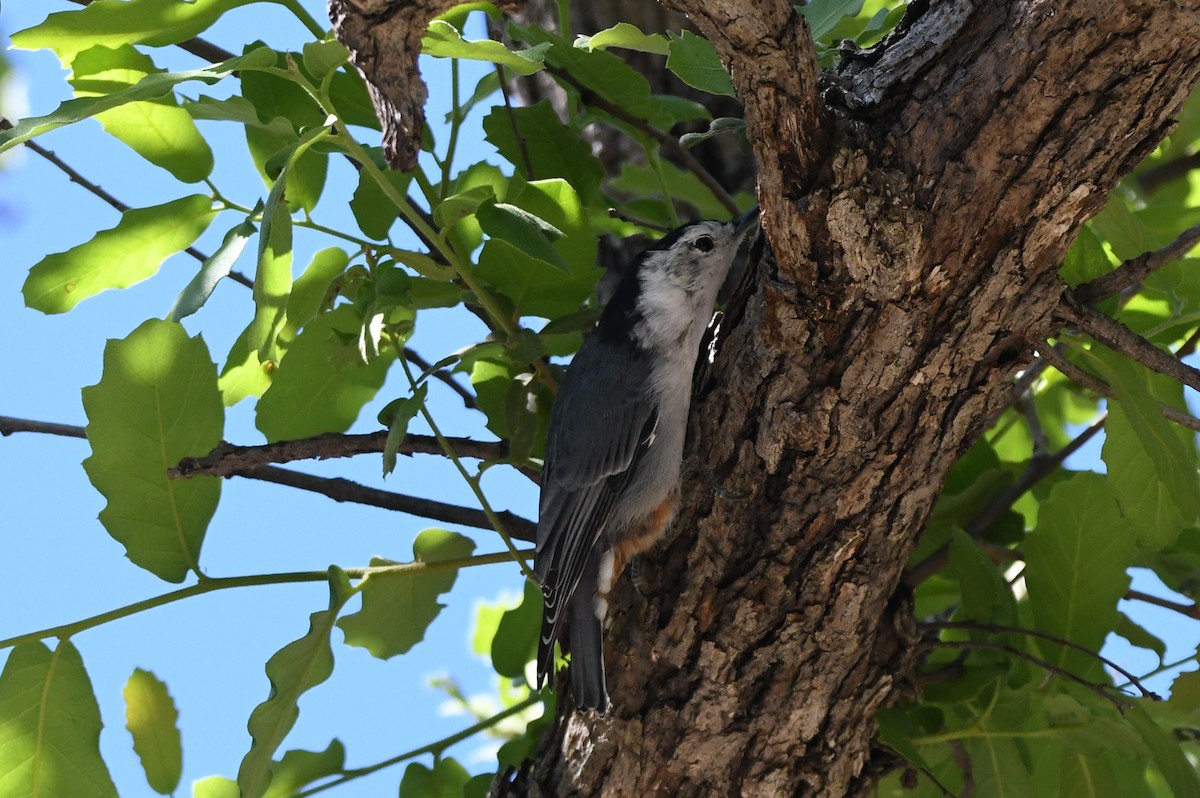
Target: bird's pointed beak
<point>744,223</point>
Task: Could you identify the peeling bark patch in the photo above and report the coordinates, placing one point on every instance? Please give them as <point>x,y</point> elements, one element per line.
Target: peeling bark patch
<point>384,37</point>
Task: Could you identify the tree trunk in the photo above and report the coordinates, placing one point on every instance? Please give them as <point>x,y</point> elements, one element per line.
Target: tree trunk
<point>919,203</point>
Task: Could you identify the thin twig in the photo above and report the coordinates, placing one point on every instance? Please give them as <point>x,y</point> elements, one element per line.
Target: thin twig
<point>432,748</point>
<point>669,142</point>
<point>1190,610</point>
<point>1039,468</point>
<point>75,177</point>
<point>1002,629</point>
<point>512,120</point>
<point>1103,690</point>
<point>1134,270</point>
<point>1119,338</point>
<point>415,358</point>
<point>9,425</point>
<point>213,584</point>
<point>344,490</point>
<point>227,458</point>
<point>1077,375</point>
<point>617,213</point>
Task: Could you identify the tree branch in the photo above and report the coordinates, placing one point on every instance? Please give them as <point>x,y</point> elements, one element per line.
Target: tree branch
<point>1134,270</point>
<point>75,177</point>
<point>227,459</point>
<point>1189,610</point>
<point>468,398</point>
<point>1119,338</point>
<point>9,425</point>
<point>1002,629</point>
<point>344,490</point>
<point>1153,179</point>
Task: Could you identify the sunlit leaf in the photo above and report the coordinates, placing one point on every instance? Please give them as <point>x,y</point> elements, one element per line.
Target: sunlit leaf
<point>321,383</point>
<point>397,608</point>
<point>156,403</point>
<point>516,639</point>
<point>397,416</point>
<point>626,36</point>
<point>445,780</point>
<point>215,268</point>
<point>152,719</point>
<point>297,769</point>
<point>158,130</point>
<point>553,149</point>
<point>119,257</point>
<point>697,64</point>
<point>443,40</point>
<point>293,670</point>
<point>50,732</point>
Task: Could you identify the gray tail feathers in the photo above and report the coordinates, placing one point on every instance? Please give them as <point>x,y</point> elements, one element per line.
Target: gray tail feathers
<point>587,653</point>
<point>585,640</point>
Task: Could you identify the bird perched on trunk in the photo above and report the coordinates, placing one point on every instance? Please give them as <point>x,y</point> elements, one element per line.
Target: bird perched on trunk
<point>614,448</point>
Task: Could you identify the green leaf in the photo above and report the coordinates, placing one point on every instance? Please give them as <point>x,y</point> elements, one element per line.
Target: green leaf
<point>118,257</point>
<point>397,416</point>
<point>985,595</point>
<point>321,58</point>
<point>1076,562</point>
<point>293,670</point>
<point>321,383</point>
<point>152,22</point>
<point>523,230</point>
<point>149,88</point>
<point>50,737</point>
<point>1138,636</point>
<point>1168,756</point>
<point>398,607</point>
<point>1086,777</point>
<point>215,268</point>
<point>215,787</point>
<point>156,403</point>
<point>697,64</point>
<point>298,769</point>
<point>461,205</point>
<point>554,149</point>
<point>823,16</point>
<point>1145,499</point>
<point>1125,232</point>
<point>446,780</point>
<point>310,292</point>
<point>151,718</point>
<point>1085,260</point>
<point>625,36</point>
<point>242,374</point>
<point>158,130</point>
<point>516,640</point>
<point>443,40</point>
<point>724,124</point>
<point>374,210</point>
<point>998,768</point>
<point>1174,460</point>
<point>273,277</point>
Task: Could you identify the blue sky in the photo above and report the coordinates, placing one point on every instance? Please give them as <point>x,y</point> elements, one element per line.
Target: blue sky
<point>60,564</point>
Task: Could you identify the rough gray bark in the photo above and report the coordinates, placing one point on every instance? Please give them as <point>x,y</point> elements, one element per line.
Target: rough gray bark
<point>919,204</point>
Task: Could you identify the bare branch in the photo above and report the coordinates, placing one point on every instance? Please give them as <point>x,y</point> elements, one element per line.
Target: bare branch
<point>1002,629</point>
<point>1119,338</point>
<point>75,177</point>
<point>9,425</point>
<point>344,490</point>
<point>468,398</point>
<point>1134,270</point>
<point>1190,610</point>
<point>228,459</point>
<point>1039,468</point>
<point>1078,375</point>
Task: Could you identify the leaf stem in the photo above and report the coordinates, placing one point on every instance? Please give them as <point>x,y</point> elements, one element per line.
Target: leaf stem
<point>435,748</point>
<point>472,481</point>
<point>213,584</point>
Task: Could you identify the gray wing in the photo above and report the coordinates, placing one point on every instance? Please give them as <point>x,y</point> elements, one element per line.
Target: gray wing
<point>600,424</point>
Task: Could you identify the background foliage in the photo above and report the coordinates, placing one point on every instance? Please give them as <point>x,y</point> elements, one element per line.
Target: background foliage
<point>1022,576</point>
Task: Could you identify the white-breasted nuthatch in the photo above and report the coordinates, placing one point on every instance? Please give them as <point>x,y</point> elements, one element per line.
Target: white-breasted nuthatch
<point>614,448</point>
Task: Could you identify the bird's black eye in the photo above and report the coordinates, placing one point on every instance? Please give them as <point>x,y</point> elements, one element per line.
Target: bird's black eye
<point>704,244</point>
